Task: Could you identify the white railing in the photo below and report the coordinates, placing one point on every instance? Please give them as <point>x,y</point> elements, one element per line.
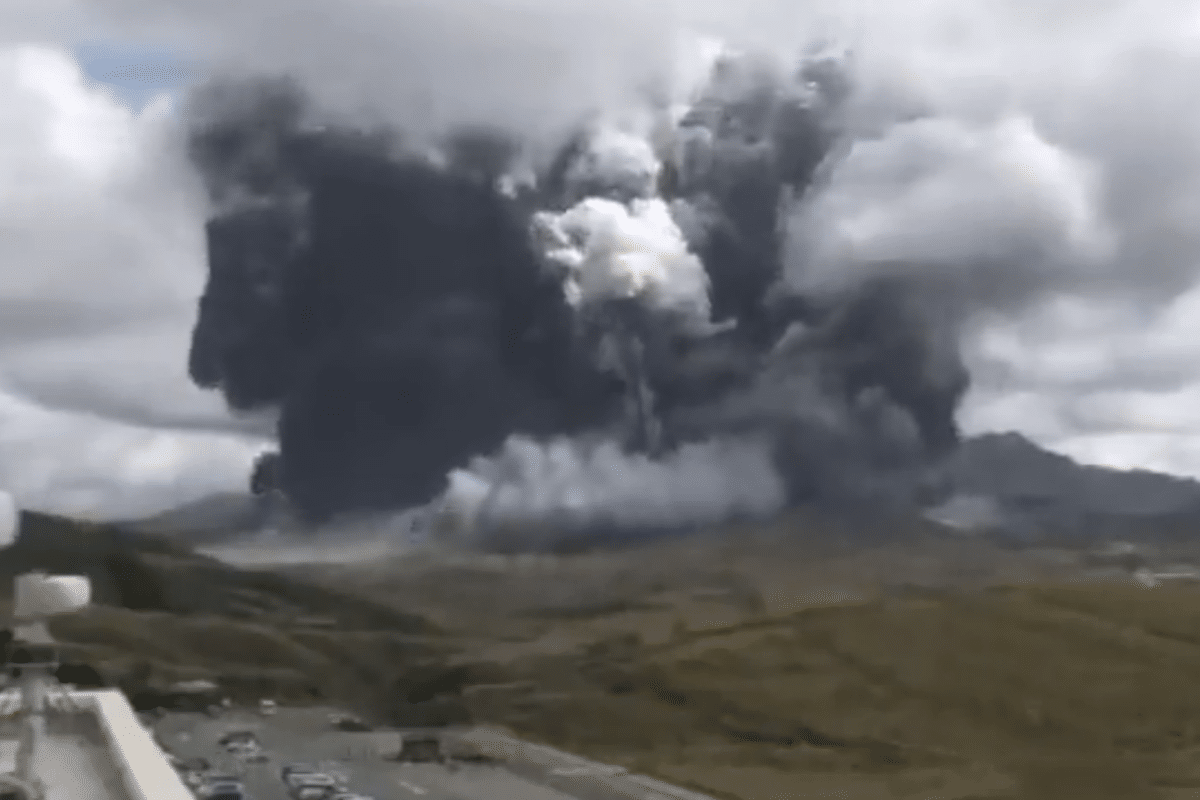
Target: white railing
<point>10,702</point>
<point>142,765</point>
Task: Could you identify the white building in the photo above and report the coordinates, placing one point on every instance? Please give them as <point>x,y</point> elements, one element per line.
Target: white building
<point>57,743</point>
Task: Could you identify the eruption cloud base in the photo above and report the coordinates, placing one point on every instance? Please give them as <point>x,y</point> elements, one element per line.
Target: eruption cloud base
<point>687,315</point>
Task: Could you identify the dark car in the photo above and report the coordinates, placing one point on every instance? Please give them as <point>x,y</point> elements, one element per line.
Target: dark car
<point>420,748</point>
<point>288,769</point>
<point>348,722</point>
<point>222,787</point>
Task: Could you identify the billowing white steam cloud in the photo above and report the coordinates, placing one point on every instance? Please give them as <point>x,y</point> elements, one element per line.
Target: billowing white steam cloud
<point>896,202</point>
<point>621,243</point>
<point>571,484</point>
<point>610,251</point>
<point>616,158</point>
<point>622,246</point>
<point>984,203</point>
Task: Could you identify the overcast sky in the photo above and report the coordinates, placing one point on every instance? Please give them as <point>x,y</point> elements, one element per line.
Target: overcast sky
<point>101,242</point>
<point>102,261</point>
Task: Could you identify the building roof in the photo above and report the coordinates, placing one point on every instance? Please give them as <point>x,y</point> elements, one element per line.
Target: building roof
<point>73,763</point>
<point>89,745</point>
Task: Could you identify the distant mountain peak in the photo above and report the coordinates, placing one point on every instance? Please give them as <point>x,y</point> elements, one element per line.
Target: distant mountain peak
<point>1038,490</point>
<point>215,516</point>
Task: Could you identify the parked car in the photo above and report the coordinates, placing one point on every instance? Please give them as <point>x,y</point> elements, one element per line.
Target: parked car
<point>310,793</point>
<point>241,736</point>
<point>326,782</point>
<point>421,748</point>
<point>248,753</point>
<point>221,787</point>
<point>229,792</point>
<point>294,768</point>
<point>305,783</point>
<point>348,722</point>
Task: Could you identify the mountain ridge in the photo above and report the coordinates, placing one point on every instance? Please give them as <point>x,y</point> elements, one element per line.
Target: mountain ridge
<point>1025,490</point>
<point>1000,481</point>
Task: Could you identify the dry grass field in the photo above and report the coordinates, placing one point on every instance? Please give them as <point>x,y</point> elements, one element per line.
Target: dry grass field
<point>776,665</point>
<point>798,661</point>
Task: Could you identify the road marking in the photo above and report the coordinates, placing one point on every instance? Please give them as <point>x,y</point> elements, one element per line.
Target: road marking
<point>413,787</point>
<point>595,769</point>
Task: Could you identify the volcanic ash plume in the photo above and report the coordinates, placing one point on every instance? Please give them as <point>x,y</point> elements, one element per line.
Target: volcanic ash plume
<point>564,487</point>
<point>603,341</point>
<point>895,205</point>
<point>625,266</point>
<point>609,252</point>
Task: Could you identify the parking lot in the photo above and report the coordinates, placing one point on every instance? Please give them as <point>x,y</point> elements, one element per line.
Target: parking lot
<point>306,735</point>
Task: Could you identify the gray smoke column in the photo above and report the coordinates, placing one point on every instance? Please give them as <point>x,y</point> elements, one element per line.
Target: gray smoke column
<point>813,394</point>
<point>701,308</point>
<point>392,308</point>
<point>535,495</point>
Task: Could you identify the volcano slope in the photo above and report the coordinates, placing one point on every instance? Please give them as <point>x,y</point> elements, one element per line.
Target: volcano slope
<point>816,658</point>
<point>811,657</point>
<point>162,613</point>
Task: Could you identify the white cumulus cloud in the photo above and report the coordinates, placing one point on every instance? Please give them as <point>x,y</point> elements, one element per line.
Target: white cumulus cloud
<point>101,262</point>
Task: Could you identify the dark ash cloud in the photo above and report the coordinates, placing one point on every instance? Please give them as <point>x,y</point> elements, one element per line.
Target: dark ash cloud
<point>402,311</point>
<point>394,310</point>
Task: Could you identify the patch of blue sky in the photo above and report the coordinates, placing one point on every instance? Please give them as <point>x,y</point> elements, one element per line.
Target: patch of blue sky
<point>135,73</point>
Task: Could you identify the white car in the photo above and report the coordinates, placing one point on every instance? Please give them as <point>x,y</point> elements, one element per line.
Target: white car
<point>310,793</point>
<point>237,740</point>
<point>320,780</point>
<point>220,786</point>
<point>251,754</point>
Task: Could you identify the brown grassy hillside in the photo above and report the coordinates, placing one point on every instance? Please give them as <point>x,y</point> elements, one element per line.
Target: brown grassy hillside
<point>810,658</point>
<point>162,613</point>
<point>779,664</point>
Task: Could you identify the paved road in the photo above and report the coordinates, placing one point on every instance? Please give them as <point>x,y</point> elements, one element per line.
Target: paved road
<point>305,735</point>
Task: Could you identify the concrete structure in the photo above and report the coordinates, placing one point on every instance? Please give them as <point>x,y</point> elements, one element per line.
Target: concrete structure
<point>57,743</point>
